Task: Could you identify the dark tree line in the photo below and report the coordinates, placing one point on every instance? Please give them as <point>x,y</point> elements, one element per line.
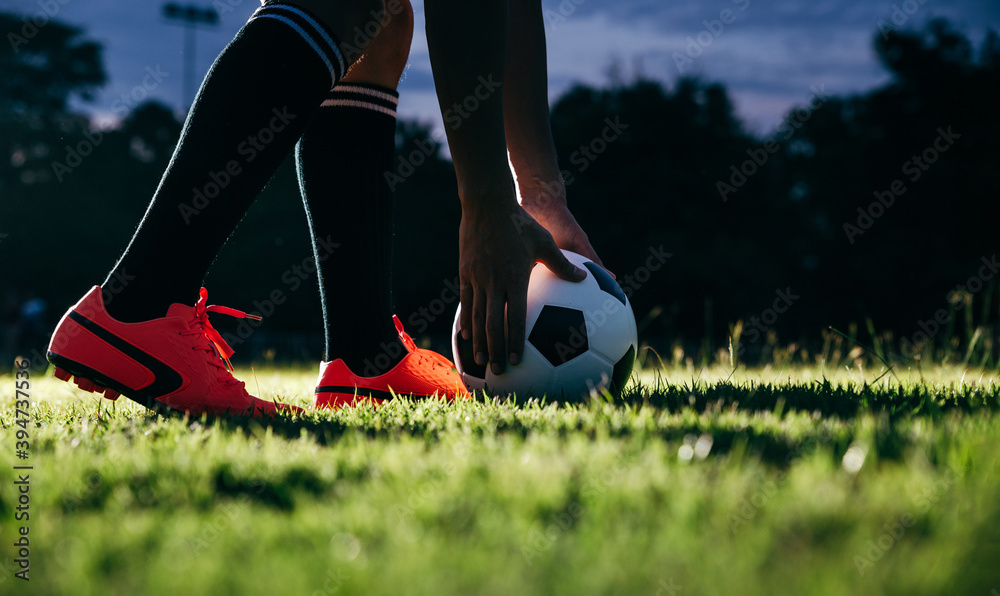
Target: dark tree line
<point>875,205</point>
<point>880,205</point>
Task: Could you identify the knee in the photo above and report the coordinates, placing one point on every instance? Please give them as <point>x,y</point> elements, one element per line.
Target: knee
<point>396,33</point>
<point>385,44</point>
<point>397,24</point>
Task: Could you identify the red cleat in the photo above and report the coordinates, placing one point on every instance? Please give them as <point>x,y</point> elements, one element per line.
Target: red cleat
<point>177,362</point>
<point>421,373</point>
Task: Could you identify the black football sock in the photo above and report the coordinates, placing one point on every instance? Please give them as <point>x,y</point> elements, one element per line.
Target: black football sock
<point>251,109</point>
<point>342,160</point>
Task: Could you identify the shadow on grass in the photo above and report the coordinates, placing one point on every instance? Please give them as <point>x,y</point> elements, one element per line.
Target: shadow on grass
<point>820,397</point>
<point>675,413</point>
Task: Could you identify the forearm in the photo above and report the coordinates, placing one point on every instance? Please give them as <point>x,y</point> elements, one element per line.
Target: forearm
<point>526,105</point>
<point>467,44</point>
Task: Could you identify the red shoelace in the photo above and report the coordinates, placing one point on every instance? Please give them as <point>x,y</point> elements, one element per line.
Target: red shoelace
<point>433,357</point>
<point>215,343</point>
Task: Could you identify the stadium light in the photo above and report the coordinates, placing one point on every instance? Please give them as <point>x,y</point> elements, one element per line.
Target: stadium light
<point>189,17</point>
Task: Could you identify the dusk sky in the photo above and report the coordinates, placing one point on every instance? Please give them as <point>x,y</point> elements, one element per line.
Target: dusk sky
<point>769,56</point>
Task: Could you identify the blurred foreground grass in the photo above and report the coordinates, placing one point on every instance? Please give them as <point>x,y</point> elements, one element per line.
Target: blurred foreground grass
<point>799,480</point>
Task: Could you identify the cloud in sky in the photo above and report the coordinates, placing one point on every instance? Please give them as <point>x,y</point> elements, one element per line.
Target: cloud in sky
<point>768,56</point>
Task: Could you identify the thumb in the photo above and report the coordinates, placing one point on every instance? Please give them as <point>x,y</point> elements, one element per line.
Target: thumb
<point>560,265</point>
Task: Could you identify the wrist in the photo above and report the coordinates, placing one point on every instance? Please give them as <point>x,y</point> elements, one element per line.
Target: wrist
<point>542,193</point>
<point>486,195</point>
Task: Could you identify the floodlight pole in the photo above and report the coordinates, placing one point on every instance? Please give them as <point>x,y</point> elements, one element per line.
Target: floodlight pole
<point>189,50</point>
<point>189,17</point>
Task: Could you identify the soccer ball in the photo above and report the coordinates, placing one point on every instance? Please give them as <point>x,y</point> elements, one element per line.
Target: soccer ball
<point>580,338</point>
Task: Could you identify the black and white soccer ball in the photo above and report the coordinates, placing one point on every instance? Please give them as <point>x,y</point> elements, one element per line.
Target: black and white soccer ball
<point>580,339</point>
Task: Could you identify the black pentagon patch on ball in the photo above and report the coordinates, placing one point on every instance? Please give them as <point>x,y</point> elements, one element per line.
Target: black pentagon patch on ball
<point>605,281</point>
<point>560,334</point>
<point>623,370</point>
<point>468,358</point>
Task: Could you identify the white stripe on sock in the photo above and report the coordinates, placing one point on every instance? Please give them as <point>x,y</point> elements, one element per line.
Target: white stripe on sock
<point>319,28</point>
<point>305,36</point>
<point>367,91</point>
<point>353,103</point>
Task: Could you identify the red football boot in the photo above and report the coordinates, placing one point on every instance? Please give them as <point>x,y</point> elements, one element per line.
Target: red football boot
<point>421,373</point>
<point>179,361</point>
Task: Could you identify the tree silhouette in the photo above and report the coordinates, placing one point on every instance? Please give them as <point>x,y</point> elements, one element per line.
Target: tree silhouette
<point>44,68</point>
<point>878,204</point>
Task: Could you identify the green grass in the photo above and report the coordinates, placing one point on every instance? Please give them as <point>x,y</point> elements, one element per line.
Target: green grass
<point>798,481</point>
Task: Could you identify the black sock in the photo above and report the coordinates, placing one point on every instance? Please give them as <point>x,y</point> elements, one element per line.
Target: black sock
<point>342,160</point>
<point>251,109</point>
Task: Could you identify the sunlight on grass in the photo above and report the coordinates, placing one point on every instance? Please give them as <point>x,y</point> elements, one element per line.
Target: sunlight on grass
<point>702,481</point>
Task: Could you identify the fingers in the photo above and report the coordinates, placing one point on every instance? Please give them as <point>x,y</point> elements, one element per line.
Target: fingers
<point>465,299</point>
<point>495,337</point>
<point>557,263</point>
<point>517,308</point>
<point>479,339</point>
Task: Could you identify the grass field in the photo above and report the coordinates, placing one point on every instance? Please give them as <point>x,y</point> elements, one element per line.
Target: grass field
<point>793,481</point>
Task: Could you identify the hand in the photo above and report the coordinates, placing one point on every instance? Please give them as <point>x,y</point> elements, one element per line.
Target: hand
<point>499,242</point>
<point>548,207</point>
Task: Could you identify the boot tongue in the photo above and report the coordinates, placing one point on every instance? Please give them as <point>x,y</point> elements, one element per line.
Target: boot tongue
<point>189,315</point>
<point>182,311</point>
